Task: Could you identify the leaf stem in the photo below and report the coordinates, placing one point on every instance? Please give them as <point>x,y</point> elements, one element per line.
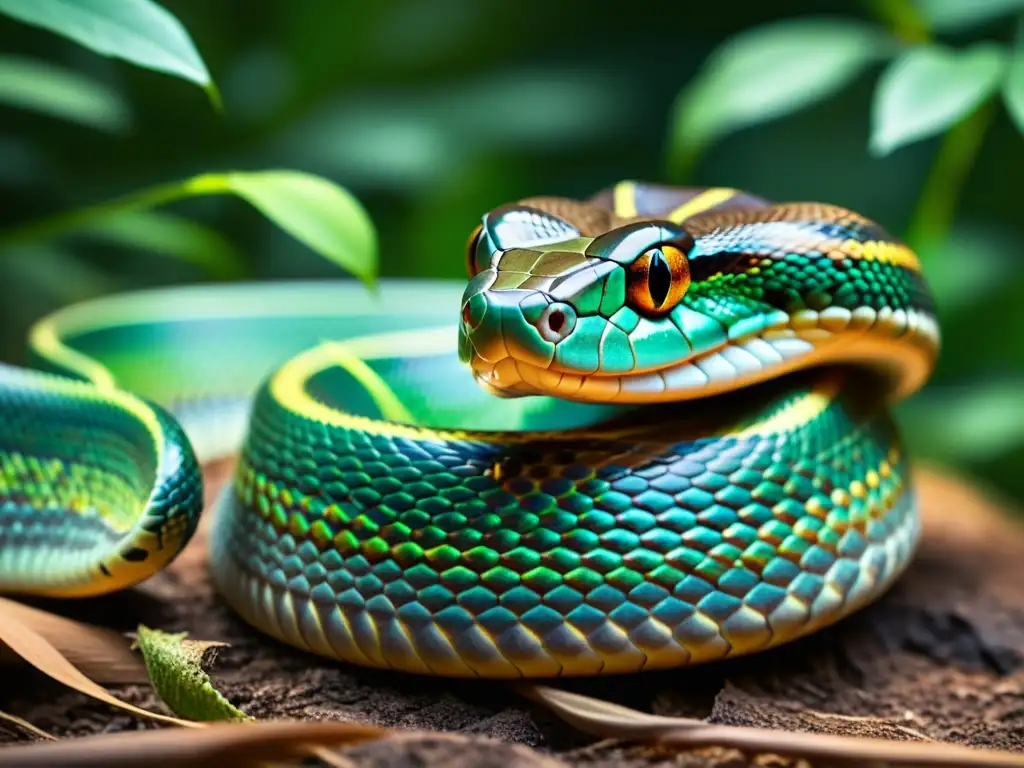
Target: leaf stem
<point>903,18</point>
<point>933,215</point>
<point>51,227</point>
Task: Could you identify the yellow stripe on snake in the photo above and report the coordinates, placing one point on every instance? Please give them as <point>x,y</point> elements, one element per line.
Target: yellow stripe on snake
<point>652,431</point>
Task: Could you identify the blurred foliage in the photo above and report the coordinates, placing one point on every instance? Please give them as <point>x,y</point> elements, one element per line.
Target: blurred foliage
<point>312,209</point>
<point>432,111</point>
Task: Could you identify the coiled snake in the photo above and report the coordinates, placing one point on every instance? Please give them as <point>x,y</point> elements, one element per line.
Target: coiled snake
<point>705,466</point>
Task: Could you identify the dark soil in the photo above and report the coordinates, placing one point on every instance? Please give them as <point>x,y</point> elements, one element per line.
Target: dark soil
<point>941,657</point>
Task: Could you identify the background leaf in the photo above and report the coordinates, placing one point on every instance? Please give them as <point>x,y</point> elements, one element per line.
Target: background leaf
<point>930,88</point>
<point>51,90</point>
<point>312,209</point>
<point>36,265</point>
<point>769,72</point>
<point>138,31</point>
<point>172,236</point>
<point>1013,88</point>
<point>973,422</point>
<point>991,255</point>
<point>956,15</point>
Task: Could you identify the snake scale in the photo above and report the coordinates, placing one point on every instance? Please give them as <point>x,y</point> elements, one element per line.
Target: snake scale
<point>689,458</point>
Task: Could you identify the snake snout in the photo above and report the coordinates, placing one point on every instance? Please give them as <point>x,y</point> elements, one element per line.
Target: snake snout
<point>517,324</point>
<point>481,328</point>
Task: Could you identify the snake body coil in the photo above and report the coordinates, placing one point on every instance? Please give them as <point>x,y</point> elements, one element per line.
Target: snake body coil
<point>704,468</point>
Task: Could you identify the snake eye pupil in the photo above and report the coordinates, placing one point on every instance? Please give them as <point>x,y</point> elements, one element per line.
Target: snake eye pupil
<point>659,278</point>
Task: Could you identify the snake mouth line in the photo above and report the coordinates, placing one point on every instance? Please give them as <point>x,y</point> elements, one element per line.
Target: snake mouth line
<point>900,344</point>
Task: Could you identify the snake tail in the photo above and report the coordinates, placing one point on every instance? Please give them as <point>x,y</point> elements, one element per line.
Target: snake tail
<point>99,490</point>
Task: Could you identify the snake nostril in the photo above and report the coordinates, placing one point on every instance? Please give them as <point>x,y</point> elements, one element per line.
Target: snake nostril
<point>467,317</point>
<point>556,320</point>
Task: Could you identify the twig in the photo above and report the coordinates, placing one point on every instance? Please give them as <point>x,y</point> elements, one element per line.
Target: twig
<point>864,719</point>
<point>606,720</point>
<point>25,725</point>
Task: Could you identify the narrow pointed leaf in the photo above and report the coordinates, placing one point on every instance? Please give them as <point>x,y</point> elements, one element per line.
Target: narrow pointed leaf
<point>315,211</point>
<point>40,265</point>
<point>101,654</point>
<point>769,72</point>
<point>172,236</point>
<point>312,209</point>
<point>175,666</point>
<point>36,650</point>
<point>62,93</point>
<point>929,89</point>
<point>138,31</point>
<point>959,15</point>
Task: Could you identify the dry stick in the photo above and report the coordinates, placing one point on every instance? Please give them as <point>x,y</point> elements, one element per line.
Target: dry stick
<point>221,744</point>
<point>606,720</point>
<point>25,725</point>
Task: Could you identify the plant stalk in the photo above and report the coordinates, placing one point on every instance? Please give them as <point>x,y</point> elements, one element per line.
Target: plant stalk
<point>51,227</point>
<point>903,19</point>
<point>936,207</point>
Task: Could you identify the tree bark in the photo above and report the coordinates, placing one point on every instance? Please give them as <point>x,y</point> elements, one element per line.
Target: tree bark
<point>940,657</point>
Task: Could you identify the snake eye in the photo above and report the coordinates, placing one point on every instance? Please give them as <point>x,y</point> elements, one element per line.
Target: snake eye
<point>657,280</point>
<point>472,246</point>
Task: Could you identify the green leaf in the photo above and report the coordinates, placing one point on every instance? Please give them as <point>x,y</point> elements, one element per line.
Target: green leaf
<point>959,15</point>
<point>175,666</point>
<point>975,422</point>
<point>769,72</point>
<point>1013,87</point>
<point>138,31</point>
<point>929,89</point>
<point>55,273</point>
<point>62,93</point>
<point>174,236</point>
<point>312,209</point>
<point>991,253</point>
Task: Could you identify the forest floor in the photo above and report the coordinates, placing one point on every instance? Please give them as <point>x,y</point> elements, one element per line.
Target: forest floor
<point>940,657</point>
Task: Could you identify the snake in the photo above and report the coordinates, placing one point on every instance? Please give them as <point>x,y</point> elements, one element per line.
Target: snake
<point>652,428</point>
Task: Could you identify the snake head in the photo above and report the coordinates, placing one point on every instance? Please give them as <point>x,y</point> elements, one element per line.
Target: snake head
<point>570,300</point>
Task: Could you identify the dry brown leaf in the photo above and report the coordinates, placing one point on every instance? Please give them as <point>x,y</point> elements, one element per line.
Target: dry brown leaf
<point>102,655</point>
<point>220,744</point>
<point>26,726</point>
<point>612,721</point>
<point>38,651</point>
